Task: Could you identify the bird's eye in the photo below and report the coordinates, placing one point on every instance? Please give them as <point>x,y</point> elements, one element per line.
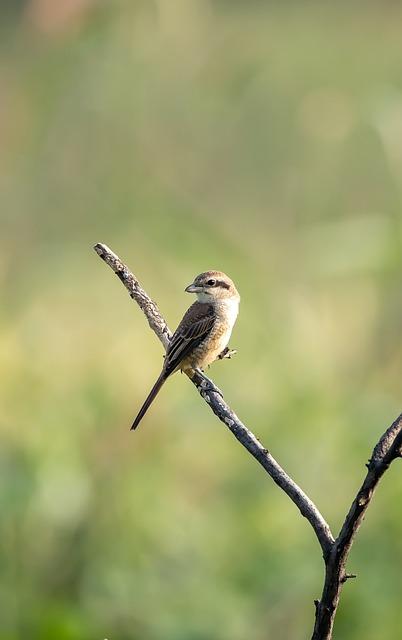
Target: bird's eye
<point>211,282</point>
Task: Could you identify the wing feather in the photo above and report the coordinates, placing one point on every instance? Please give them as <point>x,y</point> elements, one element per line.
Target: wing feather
<point>192,330</point>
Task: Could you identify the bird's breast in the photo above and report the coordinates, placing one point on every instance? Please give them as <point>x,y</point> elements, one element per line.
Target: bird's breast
<point>218,338</point>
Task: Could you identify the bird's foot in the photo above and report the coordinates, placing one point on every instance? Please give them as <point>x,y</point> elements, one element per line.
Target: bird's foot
<point>206,384</point>
<point>227,353</point>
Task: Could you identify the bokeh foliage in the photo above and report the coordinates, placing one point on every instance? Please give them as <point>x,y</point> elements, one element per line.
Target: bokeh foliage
<point>263,139</point>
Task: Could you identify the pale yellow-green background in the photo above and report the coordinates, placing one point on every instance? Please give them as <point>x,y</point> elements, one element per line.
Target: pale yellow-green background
<point>260,138</point>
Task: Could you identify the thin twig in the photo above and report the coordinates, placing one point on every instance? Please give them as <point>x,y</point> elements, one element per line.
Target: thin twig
<point>148,306</point>
<point>220,408</point>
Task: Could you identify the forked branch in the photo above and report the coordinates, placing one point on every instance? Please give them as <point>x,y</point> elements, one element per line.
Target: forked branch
<point>388,448</point>
<point>335,552</point>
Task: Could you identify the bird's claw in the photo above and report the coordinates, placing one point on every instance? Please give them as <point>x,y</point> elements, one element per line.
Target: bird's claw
<point>207,385</point>
<point>211,387</point>
<point>227,353</point>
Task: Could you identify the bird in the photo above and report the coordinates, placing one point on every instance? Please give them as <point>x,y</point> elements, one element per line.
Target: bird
<point>203,334</point>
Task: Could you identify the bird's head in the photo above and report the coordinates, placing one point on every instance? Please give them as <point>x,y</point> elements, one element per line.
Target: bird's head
<point>213,286</point>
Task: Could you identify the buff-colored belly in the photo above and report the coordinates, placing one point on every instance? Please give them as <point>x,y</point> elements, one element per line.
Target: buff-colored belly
<point>208,351</point>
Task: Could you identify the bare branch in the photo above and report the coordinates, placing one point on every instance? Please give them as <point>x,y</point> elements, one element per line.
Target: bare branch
<point>306,506</point>
<point>388,448</point>
<point>148,306</point>
<point>220,408</point>
<point>335,552</point>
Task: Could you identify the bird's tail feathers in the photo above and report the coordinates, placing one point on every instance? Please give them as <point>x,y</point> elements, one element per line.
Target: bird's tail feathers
<point>151,397</point>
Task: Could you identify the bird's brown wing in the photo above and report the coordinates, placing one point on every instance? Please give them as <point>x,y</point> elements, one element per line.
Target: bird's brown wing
<point>192,330</point>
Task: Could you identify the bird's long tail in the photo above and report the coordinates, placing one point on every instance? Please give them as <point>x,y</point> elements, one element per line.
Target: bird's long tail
<point>151,397</point>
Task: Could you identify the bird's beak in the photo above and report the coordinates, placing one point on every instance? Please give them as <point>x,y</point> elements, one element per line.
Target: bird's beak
<point>192,288</point>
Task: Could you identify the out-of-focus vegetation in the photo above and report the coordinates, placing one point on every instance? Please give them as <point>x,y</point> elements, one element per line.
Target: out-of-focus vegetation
<point>264,139</point>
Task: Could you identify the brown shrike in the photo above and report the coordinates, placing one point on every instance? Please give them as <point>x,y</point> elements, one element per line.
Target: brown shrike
<point>204,332</point>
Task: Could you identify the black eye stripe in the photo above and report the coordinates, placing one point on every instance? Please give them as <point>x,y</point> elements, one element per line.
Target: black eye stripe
<point>218,283</point>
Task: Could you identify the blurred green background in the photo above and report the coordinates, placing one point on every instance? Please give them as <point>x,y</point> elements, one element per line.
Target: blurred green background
<point>260,138</point>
